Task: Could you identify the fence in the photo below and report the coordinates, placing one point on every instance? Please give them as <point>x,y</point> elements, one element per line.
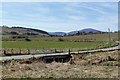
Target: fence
<point>24,51</point>
<point>20,51</point>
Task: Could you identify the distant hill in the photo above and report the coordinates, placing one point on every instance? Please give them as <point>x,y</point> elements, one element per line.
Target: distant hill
<point>57,33</point>
<point>87,30</point>
<point>31,31</point>
<point>22,30</point>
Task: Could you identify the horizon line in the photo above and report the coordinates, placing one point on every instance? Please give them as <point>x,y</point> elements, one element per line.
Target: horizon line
<point>59,31</point>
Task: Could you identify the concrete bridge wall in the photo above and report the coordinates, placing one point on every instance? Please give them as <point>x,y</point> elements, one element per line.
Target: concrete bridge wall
<point>56,58</point>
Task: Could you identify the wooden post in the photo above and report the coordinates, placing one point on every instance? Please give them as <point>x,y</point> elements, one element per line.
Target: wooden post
<point>28,51</point>
<point>20,51</point>
<point>69,51</point>
<point>55,50</point>
<point>12,51</point>
<point>4,52</point>
<point>109,37</point>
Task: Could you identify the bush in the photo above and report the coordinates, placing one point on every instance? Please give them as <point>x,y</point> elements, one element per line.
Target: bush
<point>60,39</point>
<point>27,39</point>
<point>14,33</point>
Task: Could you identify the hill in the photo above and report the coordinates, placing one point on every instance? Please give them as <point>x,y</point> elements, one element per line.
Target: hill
<point>87,30</point>
<point>22,31</point>
<point>30,31</point>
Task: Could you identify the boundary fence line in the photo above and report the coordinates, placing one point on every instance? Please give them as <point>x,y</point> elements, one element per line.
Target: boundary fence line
<point>69,52</point>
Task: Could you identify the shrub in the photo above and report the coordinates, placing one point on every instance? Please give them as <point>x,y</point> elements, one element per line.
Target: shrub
<point>27,39</point>
<point>60,39</point>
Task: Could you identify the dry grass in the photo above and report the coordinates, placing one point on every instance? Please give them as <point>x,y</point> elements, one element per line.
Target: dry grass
<point>99,58</point>
<point>58,70</point>
<point>82,67</point>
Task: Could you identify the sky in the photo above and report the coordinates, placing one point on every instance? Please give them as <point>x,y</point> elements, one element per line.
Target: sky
<point>61,16</point>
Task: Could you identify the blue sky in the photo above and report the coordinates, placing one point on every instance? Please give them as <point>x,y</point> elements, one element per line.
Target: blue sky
<point>61,16</point>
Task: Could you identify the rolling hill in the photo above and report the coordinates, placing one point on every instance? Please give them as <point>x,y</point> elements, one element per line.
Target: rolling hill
<point>87,30</point>
<point>22,31</point>
<point>31,31</point>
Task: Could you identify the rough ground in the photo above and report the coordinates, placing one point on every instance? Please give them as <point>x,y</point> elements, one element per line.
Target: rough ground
<point>97,65</point>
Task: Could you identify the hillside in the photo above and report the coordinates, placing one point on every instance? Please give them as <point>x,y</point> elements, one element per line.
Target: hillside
<point>22,31</point>
<point>30,31</point>
<point>86,30</point>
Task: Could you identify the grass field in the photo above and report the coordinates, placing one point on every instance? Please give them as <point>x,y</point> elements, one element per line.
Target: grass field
<point>90,41</point>
<point>49,44</point>
<point>94,37</point>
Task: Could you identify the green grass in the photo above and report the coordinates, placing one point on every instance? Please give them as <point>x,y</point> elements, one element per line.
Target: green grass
<point>51,44</point>
<point>99,40</point>
<point>95,37</point>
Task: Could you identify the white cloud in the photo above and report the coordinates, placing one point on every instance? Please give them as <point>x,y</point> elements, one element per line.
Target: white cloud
<point>77,18</point>
<point>94,9</point>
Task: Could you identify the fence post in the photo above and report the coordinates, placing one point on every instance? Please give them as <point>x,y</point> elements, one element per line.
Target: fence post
<point>28,51</point>
<point>69,51</point>
<point>12,51</point>
<point>55,50</point>
<point>5,52</point>
<point>20,51</point>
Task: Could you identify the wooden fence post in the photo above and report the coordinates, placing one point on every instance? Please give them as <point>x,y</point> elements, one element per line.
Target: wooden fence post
<point>28,51</point>
<point>12,51</point>
<point>69,51</point>
<point>20,51</point>
<point>4,52</point>
<point>55,50</point>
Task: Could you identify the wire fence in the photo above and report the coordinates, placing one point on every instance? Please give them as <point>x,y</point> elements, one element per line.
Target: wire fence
<point>25,51</point>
